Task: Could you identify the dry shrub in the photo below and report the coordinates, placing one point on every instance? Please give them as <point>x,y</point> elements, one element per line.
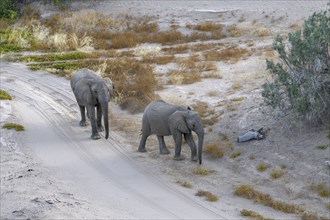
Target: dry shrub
<point>213,75</point>
<point>247,191</point>
<point>206,26</point>
<point>199,170</point>
<point>236,85</point>
<point>262,32</point>
<point>162,60</point>
<point>213,93</point>
<point>125,39</point>
<point>176,49</point>
<point>253,214</point>
<point>234,31</point>
<point>214,150</point>
<point>189,62</point>
<point>209,196</point>
<point>235,154</point>
<point>183,76</point>
<point>232,54</point>
<point>135,83</point>
<point>184,184</point>
<point>321,188</point>
<point>206,66</point>
<point>262,166</point>
<point>166,37</point>
<point>276,173</point>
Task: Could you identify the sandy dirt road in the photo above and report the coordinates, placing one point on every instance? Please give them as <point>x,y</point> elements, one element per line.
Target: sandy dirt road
<point>100,169</point>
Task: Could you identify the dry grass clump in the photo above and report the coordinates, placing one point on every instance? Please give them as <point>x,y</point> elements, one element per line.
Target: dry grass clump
<point>184,184</point>
<point>5,95</point>
<point>232,54</point>
<point>262,32</point>
<point>276,173</point>
<point>321,188</point>
<point>235,154</point>
<point>213,75</point>
<point>199,170</point>
<point>176,49</point>
<point>213,93</point>
<point>162,60</point>
<point>247,191</point>
<point>262,166</point>
<point>236,85</point>
<point>238,99</point>
<point>209,196</point>
<point>189,62</point>
<point>234,31</point>
<point>253,215</point>
<point>214,150</point>
<point>183,76</point>
<point>16,126</point>
<point>207,66</point>
<point>206,26</point>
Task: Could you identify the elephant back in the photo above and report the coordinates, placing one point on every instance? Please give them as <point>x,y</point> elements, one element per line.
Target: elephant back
<point>83,73</point>
<point>157,113</point>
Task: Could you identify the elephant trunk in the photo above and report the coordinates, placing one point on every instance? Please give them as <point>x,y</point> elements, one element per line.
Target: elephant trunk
<point>105,107</point>
<point>200,135</point>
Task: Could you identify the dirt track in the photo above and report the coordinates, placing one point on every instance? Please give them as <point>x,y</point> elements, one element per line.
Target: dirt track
<point>48,110</point>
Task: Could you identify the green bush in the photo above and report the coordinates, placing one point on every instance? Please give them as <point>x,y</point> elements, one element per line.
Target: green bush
<point>5,95</point>
<point>8,9</point>
<point>301,80</point>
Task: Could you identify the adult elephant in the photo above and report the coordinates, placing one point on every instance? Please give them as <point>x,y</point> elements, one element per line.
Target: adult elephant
<point>92,91</point>
<point>164,119</point>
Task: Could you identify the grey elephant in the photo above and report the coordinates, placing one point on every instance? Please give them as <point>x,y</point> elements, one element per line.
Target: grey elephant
<point>164,119</point>
<point>91,90</point>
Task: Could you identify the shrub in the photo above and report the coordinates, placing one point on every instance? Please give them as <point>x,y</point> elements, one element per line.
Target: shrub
<point>276,173</point>
<point>8,9</point>
<point>17,127</point>
<point>209,196</point>
<point>5,95</point>
<point>214,150</point>
<point>262,167</point>
<point>301,80</point>
<point>199,170</point>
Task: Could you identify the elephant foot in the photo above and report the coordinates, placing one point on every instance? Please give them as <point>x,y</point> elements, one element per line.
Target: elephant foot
<point>100,128</point>
<point>194,158</point>
<point>142,150</point>
<point>178,158</point>
<point>83,123</point>
<point>164,150</point>
<point>95,136</point>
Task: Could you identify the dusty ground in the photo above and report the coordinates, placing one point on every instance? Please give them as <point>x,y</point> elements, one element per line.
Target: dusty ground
<point>52,170</point>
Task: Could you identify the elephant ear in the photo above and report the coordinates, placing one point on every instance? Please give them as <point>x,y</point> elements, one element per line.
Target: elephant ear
<point>109,84</point>
<point>177,119</point>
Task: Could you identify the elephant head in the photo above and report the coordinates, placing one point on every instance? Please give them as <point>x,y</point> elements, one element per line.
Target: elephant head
<point>187,121</point>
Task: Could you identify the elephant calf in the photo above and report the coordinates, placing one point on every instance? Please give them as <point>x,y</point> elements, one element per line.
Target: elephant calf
<point>92,91</point>
<point>164,119</point>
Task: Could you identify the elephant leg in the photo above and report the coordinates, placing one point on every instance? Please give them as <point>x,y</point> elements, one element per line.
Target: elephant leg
<point>178,141</point>
<point>83,116</point>
<point>162,147</point>
<point>99,118</point>
<point>142,146</point>
<point>91,115</point>
<point>190,141</point>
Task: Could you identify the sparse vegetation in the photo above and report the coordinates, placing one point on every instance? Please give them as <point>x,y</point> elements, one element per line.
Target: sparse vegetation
<point>5,95</point>
<point>246,191</point>
<point>232,53</point>
<point>185,184</point>
<point>235,154</point>
<point>253,215</point>
<point>209,196</point>
<point>199,170</point>
<point>183,76</point>
<point>262,167</point>
<point>276,173</point>
<point>15,126</point>
<point>322,189</point>
<point>214,150</point>
<point>322,146</point>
